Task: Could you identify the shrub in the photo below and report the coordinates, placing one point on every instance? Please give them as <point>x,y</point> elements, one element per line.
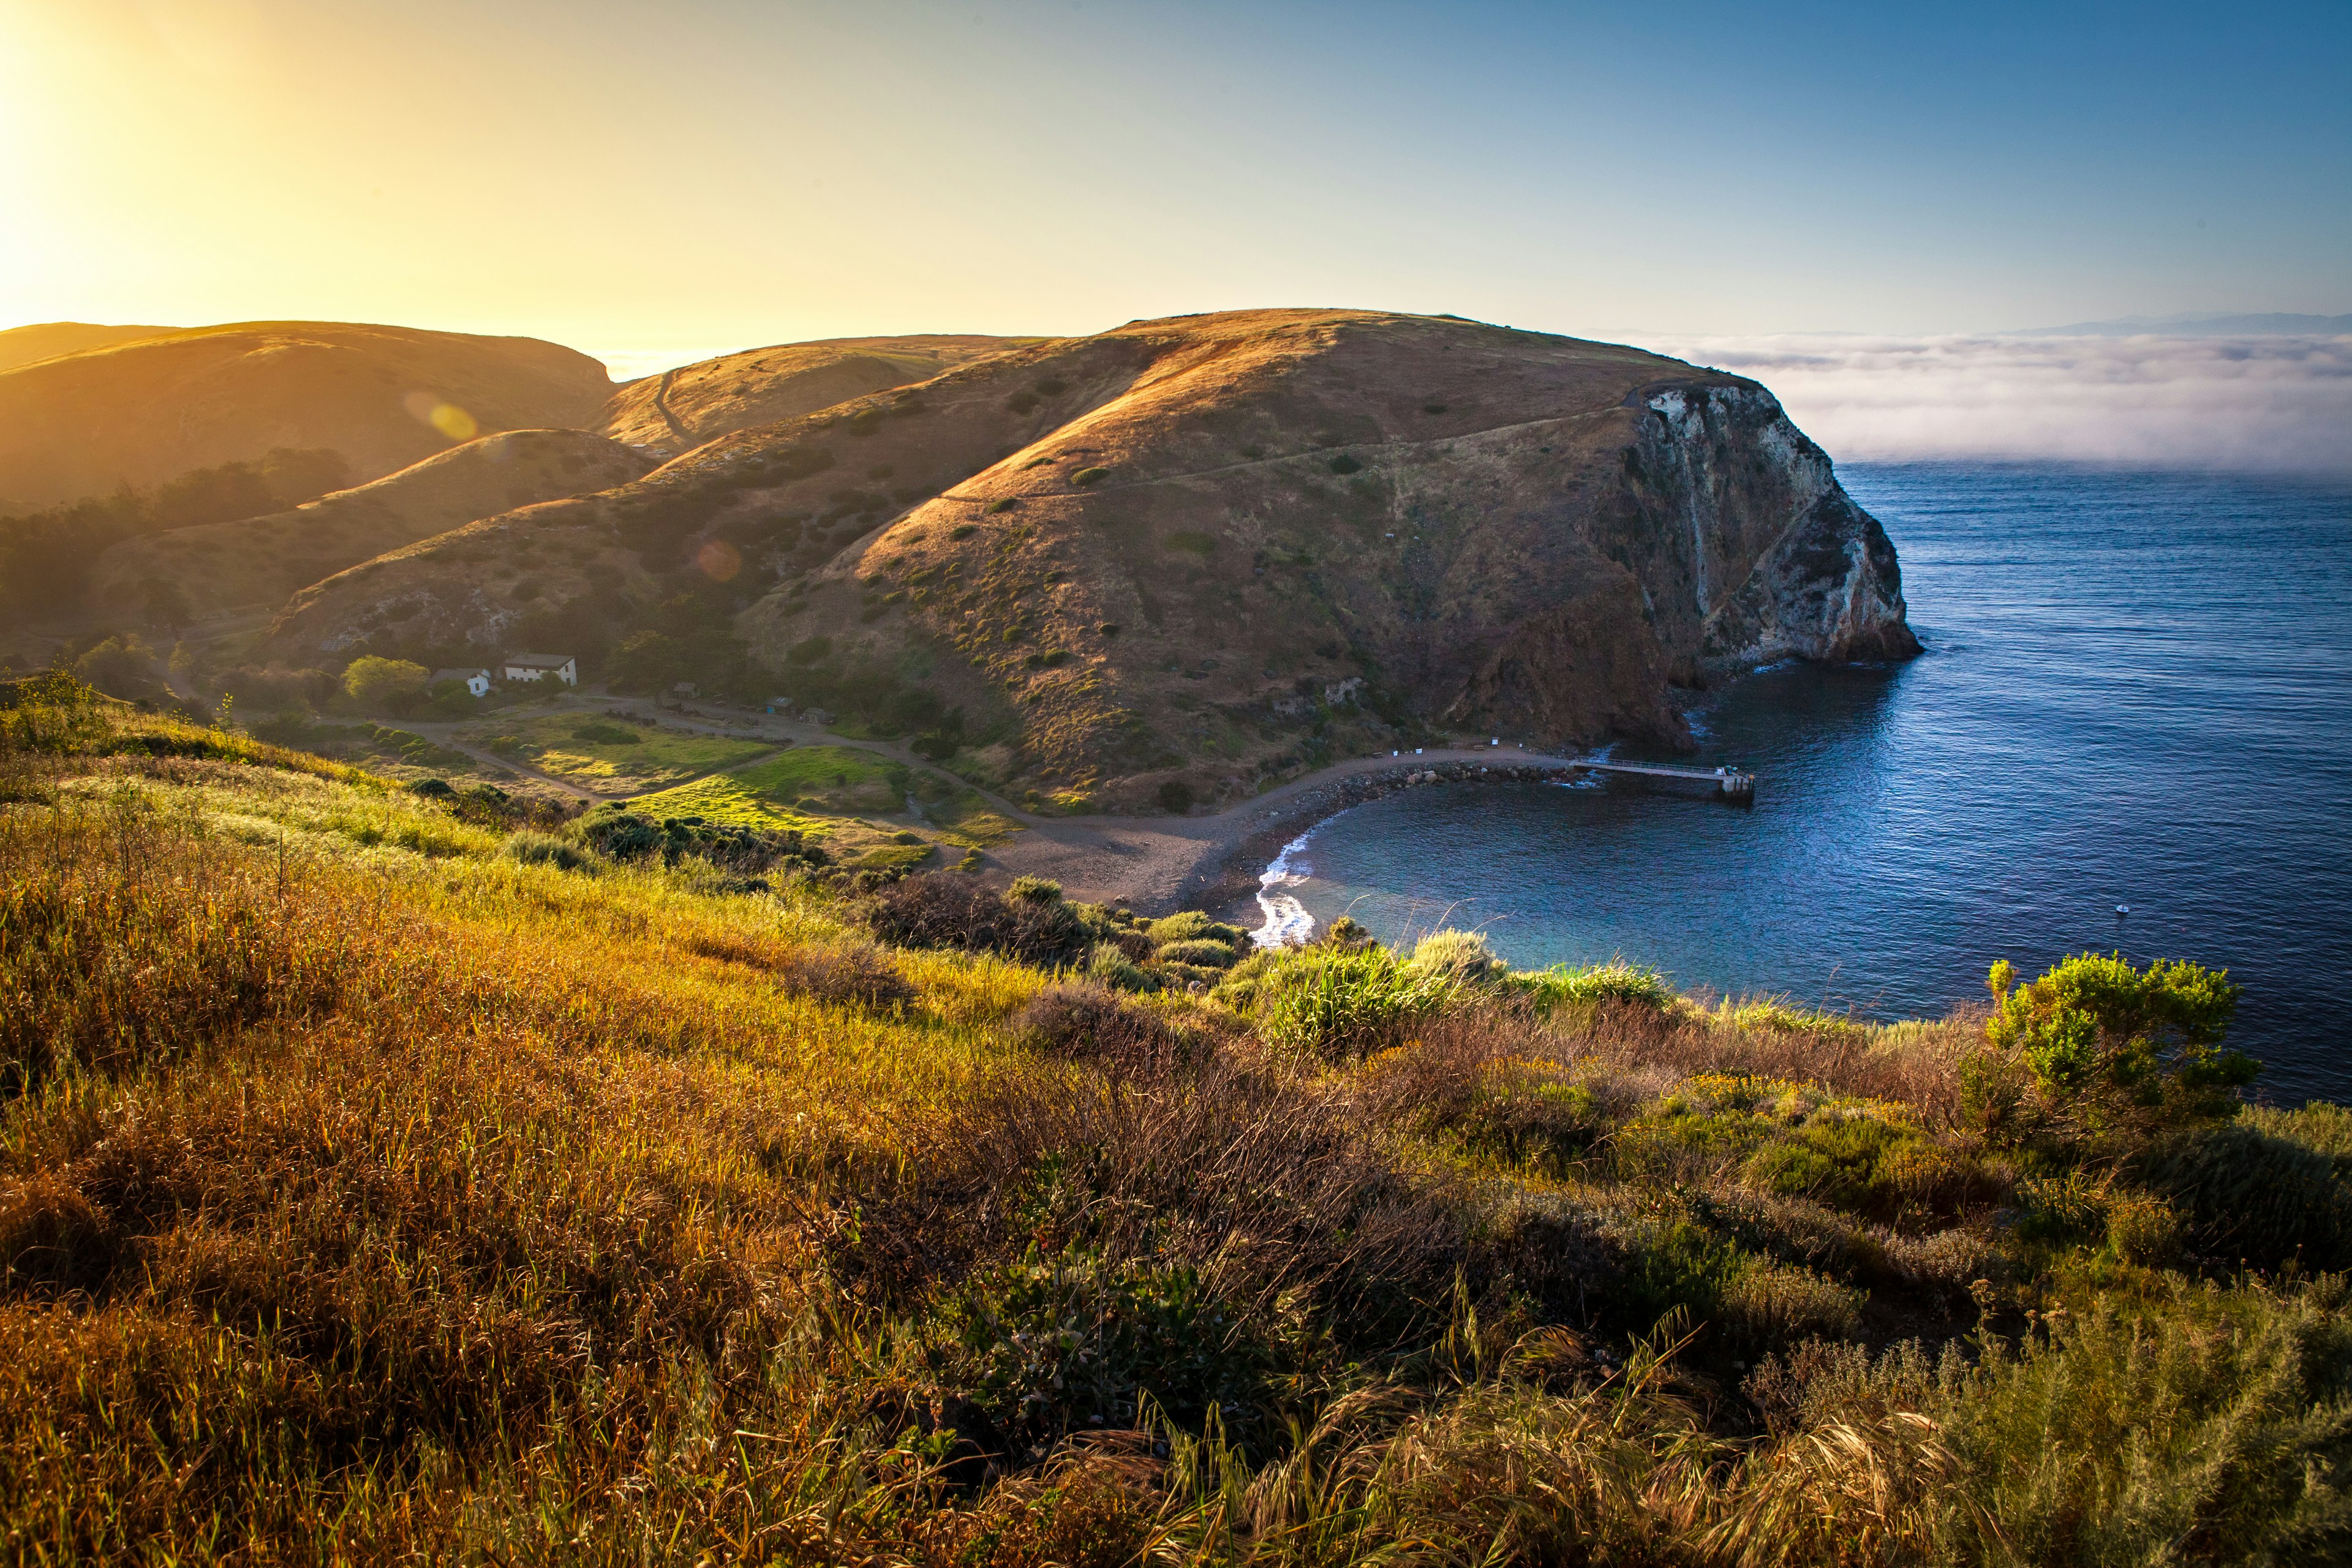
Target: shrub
<point>1074,1339</point>
<point>1175,796</point>
<point>1088,476</point>
<point>1616,981</point>
<point>809,651</point>
<point>1033,891</point>
<point>1191,925</point>
<point>373,682</point>
<point>1088,1021</point>
<point>1325,1003</point>
<point>2196,1426</point>
<point>937,909</point>
<point>1200,951</point>
<point>1002,504</point>
<point>964,531</point>
<point>1462,956</point>
<point>544,849</point>
<point>1110,964</point>
<point>2093,1020</point>
<point>860,974</point>
<point>1856,1161</point>
<point>1344,464</point>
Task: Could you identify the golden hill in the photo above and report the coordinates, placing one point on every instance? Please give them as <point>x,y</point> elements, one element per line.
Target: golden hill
<point>1208,552</point>
<point>683,408</point>
<point>257,562</point>
<point>145,412</point>
<point>48,340</point>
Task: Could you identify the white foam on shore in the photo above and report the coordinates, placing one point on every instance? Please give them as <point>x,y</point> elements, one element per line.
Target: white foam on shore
<point>1286,919</point>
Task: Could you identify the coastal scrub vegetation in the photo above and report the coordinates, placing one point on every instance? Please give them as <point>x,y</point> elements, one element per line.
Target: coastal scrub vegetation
<point>391,1175</point>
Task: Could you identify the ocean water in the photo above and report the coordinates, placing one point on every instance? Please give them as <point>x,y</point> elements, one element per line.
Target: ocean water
<point>2137,691</point>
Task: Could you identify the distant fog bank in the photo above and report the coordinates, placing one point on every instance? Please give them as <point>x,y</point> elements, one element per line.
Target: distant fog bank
<point>2273,403</point>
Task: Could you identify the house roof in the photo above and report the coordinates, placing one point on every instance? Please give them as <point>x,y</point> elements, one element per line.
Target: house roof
<point>439,676</point>
<point>539,660</point>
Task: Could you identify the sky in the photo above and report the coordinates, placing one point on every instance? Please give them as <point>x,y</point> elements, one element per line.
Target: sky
<point>654,182</point>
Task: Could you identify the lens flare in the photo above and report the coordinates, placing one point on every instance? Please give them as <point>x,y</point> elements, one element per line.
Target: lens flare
<point>446,418</point>
<point>720,561</point>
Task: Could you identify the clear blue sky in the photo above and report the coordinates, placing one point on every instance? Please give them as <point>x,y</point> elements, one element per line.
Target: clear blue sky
<point>615,174</point>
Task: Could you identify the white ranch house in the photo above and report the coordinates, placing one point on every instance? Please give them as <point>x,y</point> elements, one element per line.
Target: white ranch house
<point>542,666</point>
<point>476,681</point>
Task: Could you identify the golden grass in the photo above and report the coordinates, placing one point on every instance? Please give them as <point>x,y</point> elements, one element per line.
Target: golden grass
<point>367,1195</point>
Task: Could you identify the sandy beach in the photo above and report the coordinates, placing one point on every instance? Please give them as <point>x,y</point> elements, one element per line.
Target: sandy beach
<point>1212,861</point>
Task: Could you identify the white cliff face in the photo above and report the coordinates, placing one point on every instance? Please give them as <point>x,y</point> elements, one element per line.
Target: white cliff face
<point>1782,562</point>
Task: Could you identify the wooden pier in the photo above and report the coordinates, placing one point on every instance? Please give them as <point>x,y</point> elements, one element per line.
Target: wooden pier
<point>1727,784</point>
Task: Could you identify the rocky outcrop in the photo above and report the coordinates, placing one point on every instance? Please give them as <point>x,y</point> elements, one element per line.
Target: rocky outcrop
<point>1819,578</point>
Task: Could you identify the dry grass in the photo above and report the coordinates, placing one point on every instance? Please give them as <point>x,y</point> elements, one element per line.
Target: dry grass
<point>366,1194</point>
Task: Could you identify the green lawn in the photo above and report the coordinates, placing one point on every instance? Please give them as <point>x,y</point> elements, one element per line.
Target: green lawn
<point>601,761</point>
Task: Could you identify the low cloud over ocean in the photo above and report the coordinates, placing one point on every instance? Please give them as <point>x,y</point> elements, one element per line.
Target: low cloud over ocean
<point>2277,404</point>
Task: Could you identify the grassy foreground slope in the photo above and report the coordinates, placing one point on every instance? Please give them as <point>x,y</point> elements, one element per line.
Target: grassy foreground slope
<point>383,1177</point>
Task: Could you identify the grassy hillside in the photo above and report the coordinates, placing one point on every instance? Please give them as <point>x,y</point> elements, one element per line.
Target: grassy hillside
<point>257,560</point>
<point>48,340</point>
<point>683,408</point>
<point>392,1178</point>
<point>1201,555</point>
<point>608,756</point>
<point>141,412</point>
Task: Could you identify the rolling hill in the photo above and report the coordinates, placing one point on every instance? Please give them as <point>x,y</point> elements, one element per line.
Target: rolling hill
<point>1184,557</point>
<point>257,562</point>
<point>145,412</point>
<point>48,340</point>
<point>682,408</point>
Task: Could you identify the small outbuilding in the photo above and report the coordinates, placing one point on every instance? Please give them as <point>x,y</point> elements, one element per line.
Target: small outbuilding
<point>541,667</point>
<point>476,681</point>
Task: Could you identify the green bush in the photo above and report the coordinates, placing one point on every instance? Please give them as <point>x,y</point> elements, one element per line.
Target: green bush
<point>964,531</point>
<point>1108,966</point>
<point>1075,1341</point>
<point>1854,1162</point>
<point>1461,955</point>
<point>1325,1003</point>
<point>1001,504</point>
<point>1202,951</point>
<point>1090,476</point>
<point>373,682</point>
<point>544,849</point>
<point>2192,1426</point>
<point>1616,981</point>
<point>1188,925</point>
<point>1344,464</point>
<point>2094,1020</point>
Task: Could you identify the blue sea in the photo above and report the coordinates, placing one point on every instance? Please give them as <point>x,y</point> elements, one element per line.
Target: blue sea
<point>2138,691</point>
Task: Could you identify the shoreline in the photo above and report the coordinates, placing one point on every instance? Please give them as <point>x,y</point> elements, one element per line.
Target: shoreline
<point>1212,863</point>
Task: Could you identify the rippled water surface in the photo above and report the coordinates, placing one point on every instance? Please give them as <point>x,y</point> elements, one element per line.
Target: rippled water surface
<point>2137,691</point>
